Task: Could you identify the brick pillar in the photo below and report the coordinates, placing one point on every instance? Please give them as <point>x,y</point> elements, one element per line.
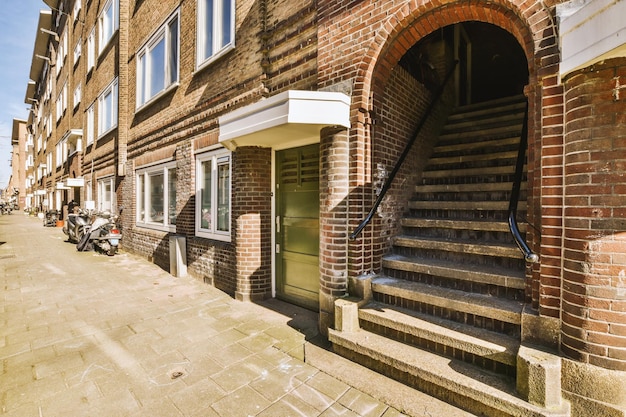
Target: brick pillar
<point>594,277</point>
<point>251,216</point>
<point>334,162</point>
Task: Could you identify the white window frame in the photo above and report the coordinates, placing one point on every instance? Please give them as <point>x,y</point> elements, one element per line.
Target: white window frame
<point>106,109</point>
<point>217,158</point>
<point>61,104</point>
<point>90,125</point>
<point>61,52</point>
<point>78,50</point>
<point>143,179</point>
<point>106,202</point>
<point>91,50</point>
<point>219,45</point>
<point>61,152</point>
<point>109,18</point>
<point>78,4</point>
<point>77,95</point>
<point>146,63</point>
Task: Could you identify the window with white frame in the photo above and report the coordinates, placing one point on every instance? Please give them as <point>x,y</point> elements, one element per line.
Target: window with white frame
<point>108,23</point>
<point>78,50</point>
<point>90,125</point>
<point>91,50</point>
<point>39,142</point>
<point>158,61</point>
<point>106,194</point>
<point>107,109</point>
<point>77,95</point>
<point>61,151</point>
<point>213,192</point>
<point>48,162</point>
<point>216,29</point>
<point>61,103</point>
<point>156,196</point>
<point>61,52</point>
<point>77,6</point>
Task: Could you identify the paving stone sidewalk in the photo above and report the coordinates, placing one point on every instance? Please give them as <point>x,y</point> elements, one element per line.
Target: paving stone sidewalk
<point>84,334</point>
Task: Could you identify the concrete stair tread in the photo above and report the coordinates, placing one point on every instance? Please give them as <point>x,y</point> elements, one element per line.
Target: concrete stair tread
<point>466,188</point>
<point>463,205</point>
<point>490,105</point>
<point>486,225</point>
<point>464,113</point>
<point>493,132</point>
<point>478,145</point>
<point>460,159</point>
<point>468,247</point>
<point>505,310</point>
<point>440,374</point>
<point>491,345</point>
<point>468,172</point>
<point>476,121</point>
<point>485,274</point>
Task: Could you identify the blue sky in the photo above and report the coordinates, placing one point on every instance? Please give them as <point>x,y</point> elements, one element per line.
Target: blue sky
<point>18,25</point>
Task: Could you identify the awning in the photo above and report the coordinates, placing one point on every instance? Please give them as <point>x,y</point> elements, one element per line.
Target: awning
<point>286,119</point>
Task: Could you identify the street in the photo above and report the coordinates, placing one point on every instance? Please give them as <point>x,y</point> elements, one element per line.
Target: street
<point>85,334</point>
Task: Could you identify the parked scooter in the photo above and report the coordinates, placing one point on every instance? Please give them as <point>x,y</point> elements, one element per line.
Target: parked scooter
<point>75,225</point>
<point>50,218</point>
<point>101,234</point>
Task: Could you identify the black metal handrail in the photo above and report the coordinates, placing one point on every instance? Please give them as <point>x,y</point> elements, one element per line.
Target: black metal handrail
<point>405,153</point>
<point>529,255</point>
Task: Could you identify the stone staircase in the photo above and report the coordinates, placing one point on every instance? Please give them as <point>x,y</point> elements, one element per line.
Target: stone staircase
<point>445,313</point>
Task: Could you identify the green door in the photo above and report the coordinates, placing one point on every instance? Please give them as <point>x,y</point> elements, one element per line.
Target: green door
<point>297,226</point>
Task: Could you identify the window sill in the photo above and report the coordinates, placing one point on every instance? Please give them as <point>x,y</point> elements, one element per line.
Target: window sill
<point>200,66</point>
<point>156,97</point>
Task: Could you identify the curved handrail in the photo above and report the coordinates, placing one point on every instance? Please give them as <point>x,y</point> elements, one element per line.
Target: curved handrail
<point>405,153</point>
<point>529,255</point>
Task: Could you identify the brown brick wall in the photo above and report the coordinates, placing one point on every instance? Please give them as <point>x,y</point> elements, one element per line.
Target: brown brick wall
<point>594,278</point>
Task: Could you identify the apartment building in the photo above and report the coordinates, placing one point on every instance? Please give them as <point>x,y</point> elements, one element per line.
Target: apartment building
<point>432,177</point>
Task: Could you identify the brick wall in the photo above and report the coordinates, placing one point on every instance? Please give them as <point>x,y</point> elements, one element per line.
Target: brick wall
<point>594,277</point>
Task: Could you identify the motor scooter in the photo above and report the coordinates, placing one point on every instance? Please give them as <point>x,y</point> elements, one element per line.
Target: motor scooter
<point>101,234</point>
<point>50,218</point>
<point>75,225</point>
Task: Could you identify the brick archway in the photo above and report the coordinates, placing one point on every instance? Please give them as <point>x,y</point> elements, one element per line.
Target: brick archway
<point>534,29</point>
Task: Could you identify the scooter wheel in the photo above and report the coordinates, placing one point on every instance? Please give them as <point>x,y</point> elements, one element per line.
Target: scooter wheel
<point>112,251</point>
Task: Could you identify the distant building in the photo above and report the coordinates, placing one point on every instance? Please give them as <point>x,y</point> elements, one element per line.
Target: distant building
<point>245,141</point>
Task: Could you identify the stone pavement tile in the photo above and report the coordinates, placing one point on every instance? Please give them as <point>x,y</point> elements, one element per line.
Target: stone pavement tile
<point>257,342</point>
<point>11,350</point>
<point>313,397</point>
<point>338,410</point>
<point>230,354</point>
<point>22,411</point>
<point>93,372</point>
<point>392,412</point>
<point>71,401</point>
<point>28,358</point>
<point>34,392</point>
<point>274,355</point>
<point>197,397</point>
<point>13,378</point>
<point>227,337</point>
<point>244,402</point>
<point>328,385</point>
<point>159,407</point>
<point>362,403</point>
<point>240,373</point>
<point>60,364</point>
<point>274,383</point>
<point>298,369</point>
<point>289,406</point>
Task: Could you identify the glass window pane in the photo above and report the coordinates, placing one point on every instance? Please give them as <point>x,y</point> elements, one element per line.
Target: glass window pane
<point>205,206</point>
<point>156,198</point>
<point>173,52</point>
<point>223,197</point>
<point>171,186</point>
<point>208,28</point>
<point>157,68</point>
<point>141,198</point>
<point>226,22</point>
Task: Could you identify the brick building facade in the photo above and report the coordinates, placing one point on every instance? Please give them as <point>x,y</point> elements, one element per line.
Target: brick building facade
<point>256,136</point>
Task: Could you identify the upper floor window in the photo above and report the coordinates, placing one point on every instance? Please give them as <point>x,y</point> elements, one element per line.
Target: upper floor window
<point>90,125</point>
<point>77,6</point>
<point>78,51</point>
<point>108,23</point>
<point>158,61</point>
<point>77,95</point>
<point>106,194</point>
<point>61,102</point>
<point>61,52</point>
<point>107,109</point>
<point>91,49</point>
<point>213,195</point>
<point>216,28</point>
